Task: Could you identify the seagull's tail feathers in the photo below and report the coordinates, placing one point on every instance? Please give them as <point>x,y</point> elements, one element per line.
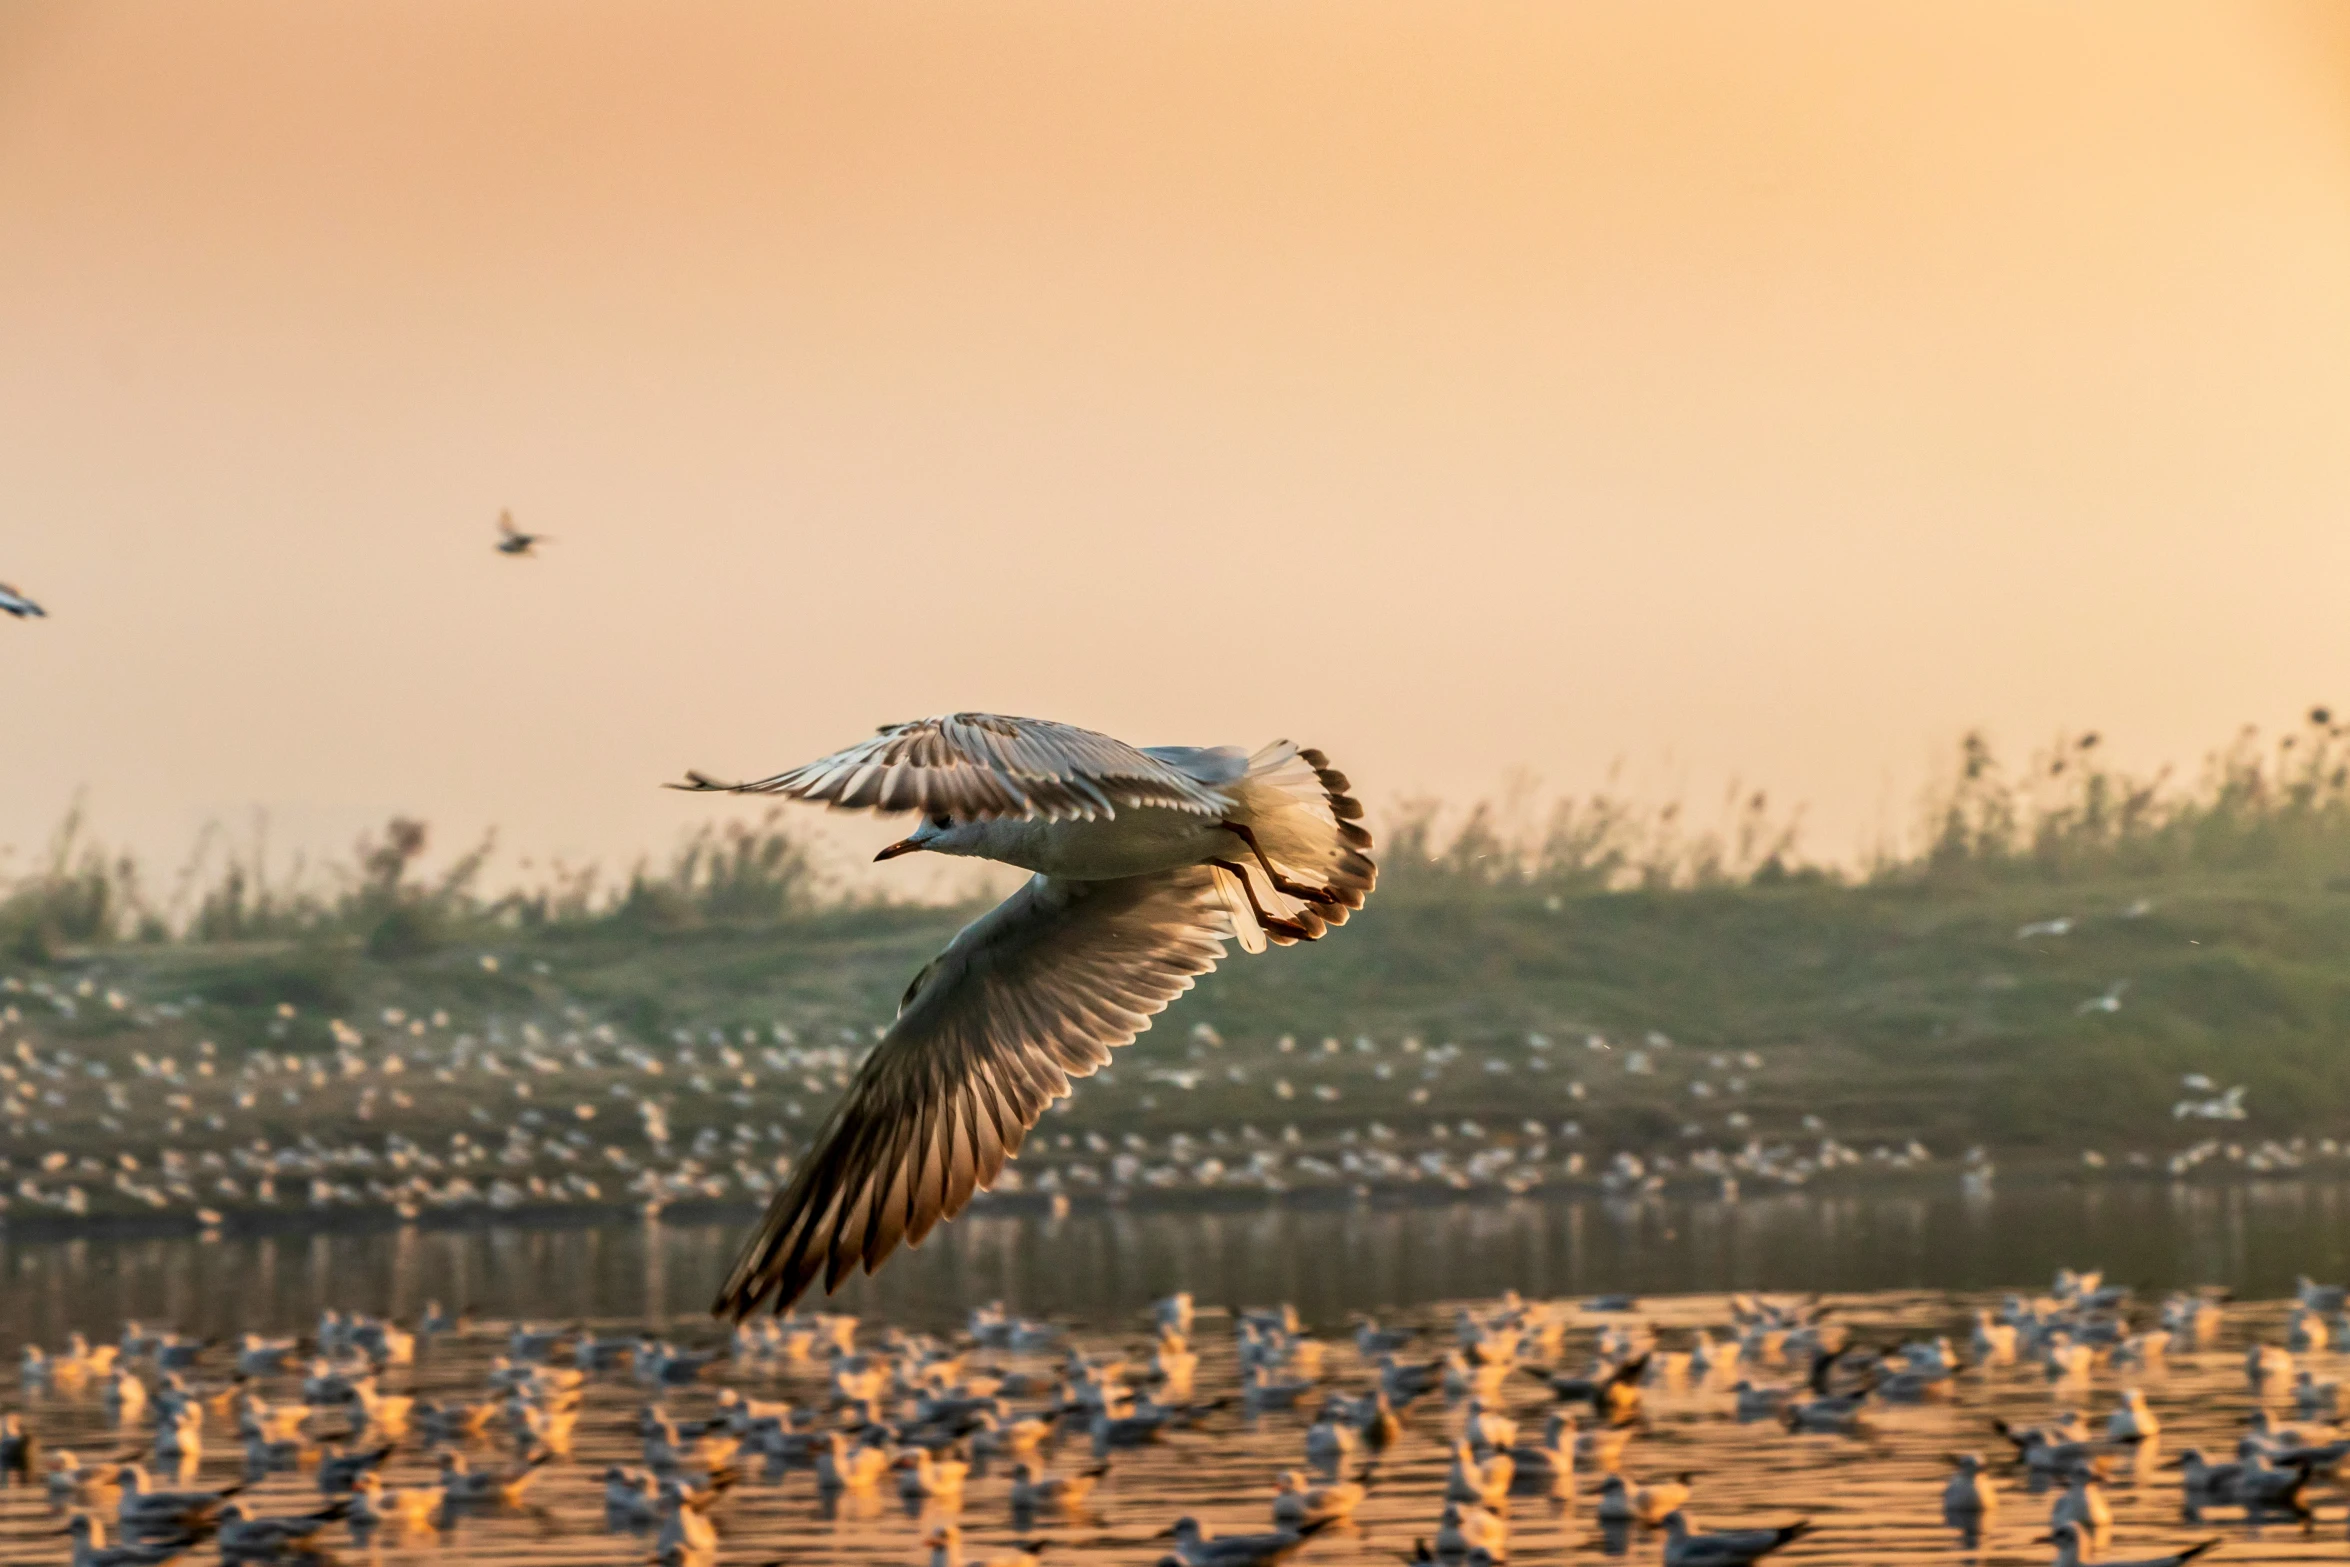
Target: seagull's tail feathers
<point>1305,824</point>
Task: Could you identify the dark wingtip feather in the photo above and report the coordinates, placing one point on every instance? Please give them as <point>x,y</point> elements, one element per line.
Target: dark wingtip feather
<point>701,783</point>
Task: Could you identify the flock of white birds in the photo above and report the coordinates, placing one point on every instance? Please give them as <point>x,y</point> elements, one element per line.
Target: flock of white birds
<point>419,1112</point>
<point>506,1440</point>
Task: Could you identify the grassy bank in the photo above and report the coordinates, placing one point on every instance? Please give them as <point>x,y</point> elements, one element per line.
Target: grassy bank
<point>1884,1010</point>
<point>2065,950</point>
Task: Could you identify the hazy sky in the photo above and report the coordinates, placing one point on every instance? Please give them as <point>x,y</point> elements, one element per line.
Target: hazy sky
<point>1729,389</point>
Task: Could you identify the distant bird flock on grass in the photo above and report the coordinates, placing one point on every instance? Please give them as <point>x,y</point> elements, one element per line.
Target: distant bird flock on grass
<point>116,1101</point>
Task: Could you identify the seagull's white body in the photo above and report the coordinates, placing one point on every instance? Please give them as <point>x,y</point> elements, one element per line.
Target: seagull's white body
<point>2083,1502</point>
<point>1146,862</point>
<point>1620,1501</point>
<point>143,1507</point>
<point>1685,1547</point>
<point>91,1550</point>
<point>2074,1548</point>
<point>686,1530</point>
<point>946,1550</point>
<point>2134,1421</point>
<point>1466,1528</point>
<point>1970,1493</point>
<point>1295,1502</point>
<point>1134,843</point>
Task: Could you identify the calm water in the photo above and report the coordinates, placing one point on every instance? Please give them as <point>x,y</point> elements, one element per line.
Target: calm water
<point>1097,1266</point>
<point>1897,1266</point>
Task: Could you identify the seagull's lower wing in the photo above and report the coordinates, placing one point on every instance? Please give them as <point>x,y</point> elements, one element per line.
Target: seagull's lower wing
<point>1031,994</point>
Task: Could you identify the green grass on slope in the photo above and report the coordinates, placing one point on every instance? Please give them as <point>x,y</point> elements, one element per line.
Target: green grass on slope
<point>1887,1009</point>
<point>1888,1012</point>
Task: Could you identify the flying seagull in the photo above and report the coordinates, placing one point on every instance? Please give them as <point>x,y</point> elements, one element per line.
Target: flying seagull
<point>512,540</point>
<point>1147,861</point>
<point>15,603</point>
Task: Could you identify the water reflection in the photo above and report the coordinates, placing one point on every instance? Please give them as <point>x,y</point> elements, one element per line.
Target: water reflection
<point>1095,1265</point>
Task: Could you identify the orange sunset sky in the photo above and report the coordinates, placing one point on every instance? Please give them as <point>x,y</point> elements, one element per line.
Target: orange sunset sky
<point>1729,389</point>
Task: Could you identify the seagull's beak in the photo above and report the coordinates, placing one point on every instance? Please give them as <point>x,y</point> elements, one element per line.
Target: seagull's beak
<point>902,846</point>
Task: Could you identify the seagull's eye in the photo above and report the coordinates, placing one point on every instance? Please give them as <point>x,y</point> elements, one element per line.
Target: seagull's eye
<point>942,823</point>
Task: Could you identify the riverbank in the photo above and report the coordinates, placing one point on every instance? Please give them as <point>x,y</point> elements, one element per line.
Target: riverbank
<point>1453,1038</point>
<point>2063,1183</point>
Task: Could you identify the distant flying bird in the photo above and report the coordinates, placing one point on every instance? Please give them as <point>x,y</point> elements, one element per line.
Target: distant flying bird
<point>512,540</point>
<point>14,603</point>
<point>1147,861</point>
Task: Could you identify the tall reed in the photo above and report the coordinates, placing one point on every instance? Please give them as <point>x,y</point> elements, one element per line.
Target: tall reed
<point>2256,805</point>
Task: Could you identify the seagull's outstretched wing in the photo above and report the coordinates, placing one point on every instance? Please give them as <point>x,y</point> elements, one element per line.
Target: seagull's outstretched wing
<point>1030,994</point>
<point>976,765</point>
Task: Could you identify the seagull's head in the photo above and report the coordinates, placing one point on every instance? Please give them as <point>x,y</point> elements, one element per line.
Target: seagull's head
<point>940,834</point>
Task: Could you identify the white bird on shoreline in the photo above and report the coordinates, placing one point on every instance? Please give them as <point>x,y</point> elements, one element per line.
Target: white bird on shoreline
<point>1146,862</point>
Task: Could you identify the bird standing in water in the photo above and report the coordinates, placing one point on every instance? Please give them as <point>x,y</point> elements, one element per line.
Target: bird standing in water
<point>1146,862</point>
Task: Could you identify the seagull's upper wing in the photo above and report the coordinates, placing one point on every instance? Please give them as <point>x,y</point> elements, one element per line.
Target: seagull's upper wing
<point>1032,993</point>
<point>974,765</point>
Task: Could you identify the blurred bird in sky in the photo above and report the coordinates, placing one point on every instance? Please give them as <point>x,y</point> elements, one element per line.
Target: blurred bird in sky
<point>512,540</point>
<point>15,603</point>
